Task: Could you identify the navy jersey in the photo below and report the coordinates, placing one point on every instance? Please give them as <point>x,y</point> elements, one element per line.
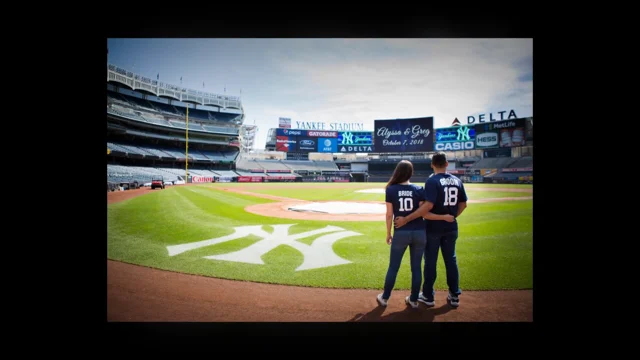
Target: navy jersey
<point>405,200</point>
<point>445,192</point>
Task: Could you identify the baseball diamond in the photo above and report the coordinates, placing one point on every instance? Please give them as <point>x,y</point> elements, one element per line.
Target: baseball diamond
<point>209,230</point>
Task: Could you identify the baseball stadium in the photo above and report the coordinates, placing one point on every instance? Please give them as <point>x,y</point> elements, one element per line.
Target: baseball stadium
<point>198,220</point>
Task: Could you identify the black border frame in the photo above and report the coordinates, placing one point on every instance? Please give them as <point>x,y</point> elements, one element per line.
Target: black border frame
<point>197,22</point>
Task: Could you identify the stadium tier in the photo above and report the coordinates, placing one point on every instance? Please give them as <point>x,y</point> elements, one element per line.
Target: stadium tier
<point>155,128</point>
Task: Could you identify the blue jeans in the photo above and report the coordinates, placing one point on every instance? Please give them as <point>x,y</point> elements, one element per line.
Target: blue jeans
<point>447,242</point>
<point>416,241</point>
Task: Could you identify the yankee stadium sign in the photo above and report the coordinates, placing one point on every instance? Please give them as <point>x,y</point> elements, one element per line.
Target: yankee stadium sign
<point>336,126</point>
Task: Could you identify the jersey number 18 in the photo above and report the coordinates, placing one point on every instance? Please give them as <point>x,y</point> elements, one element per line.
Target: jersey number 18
<point>450,196</point>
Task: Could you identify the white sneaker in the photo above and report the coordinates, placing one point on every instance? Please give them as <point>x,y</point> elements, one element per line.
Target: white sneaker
<point>423,299</point>
<point>381,301</point>
<point>453,300</point>
<point>409,302</point>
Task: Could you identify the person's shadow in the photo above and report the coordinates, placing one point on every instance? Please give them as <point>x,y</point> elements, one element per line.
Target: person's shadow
<point>421,314</point>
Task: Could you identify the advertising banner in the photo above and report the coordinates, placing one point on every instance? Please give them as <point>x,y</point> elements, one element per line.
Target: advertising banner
<point>280,171</point>
<point>355,142</point>
<point>324,134</point>
<point>455,138</point>
<point>249,178</point>
<point>307,144</point>
<point>488,171</point>
<point>507,133</point>
<point>327,145</point>
<point>201,179</point>
<point>517,170</point>
<point>306,141</point>
<point>284,123</point>
<point>285,143</point>
<point>403,135</point>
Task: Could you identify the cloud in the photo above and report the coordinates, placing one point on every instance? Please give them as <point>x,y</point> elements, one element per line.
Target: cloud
<point>400,78</point>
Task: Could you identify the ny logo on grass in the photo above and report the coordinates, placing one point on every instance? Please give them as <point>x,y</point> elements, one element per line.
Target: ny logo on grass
<point>317,255</point>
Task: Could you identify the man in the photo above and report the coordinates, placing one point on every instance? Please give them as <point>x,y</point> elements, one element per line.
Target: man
<point>444,194</point>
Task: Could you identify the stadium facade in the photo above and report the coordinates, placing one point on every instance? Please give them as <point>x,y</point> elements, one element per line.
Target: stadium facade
<point>150,134</point>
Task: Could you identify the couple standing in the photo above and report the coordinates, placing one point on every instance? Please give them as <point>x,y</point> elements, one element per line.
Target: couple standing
<point>440,202</point>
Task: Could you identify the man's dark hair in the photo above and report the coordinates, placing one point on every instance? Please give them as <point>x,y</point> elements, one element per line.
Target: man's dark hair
<point>439,160</point>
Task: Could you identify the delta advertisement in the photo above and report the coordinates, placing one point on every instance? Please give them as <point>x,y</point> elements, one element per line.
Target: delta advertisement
<point>355,142</point>
<point>456,138</point>
<point>404,135</point>
<point>501,134</point>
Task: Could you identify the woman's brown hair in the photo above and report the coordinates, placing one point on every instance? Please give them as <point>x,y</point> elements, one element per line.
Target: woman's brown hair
<point>402,173</point>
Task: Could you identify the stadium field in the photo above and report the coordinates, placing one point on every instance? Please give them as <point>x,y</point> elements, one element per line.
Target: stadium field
<point>494,249</point>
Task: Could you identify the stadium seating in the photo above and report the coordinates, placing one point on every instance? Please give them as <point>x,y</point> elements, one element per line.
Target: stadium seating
<point>522,162</point>
<point>154,112</point>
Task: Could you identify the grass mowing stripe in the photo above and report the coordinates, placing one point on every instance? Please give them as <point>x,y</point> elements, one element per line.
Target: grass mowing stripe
<point>494,249</point>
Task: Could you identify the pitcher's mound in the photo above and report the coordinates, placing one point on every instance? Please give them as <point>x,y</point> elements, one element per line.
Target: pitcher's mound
<point>340,208</point>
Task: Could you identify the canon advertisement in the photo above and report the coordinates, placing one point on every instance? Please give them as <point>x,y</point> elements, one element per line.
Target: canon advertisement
<point>508,133</point>
<point>456,138</point>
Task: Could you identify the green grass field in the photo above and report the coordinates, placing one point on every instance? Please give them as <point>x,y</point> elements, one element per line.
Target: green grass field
<point>494,249</point>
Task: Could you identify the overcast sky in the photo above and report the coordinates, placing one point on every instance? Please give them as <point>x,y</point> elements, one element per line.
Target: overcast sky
<point>344,80</point>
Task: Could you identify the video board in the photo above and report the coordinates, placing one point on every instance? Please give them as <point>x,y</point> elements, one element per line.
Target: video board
<point>306,141</point>
<point>355,142</point>
<point>456,138</point>
<point>506,133</point>
<point>403,135</point>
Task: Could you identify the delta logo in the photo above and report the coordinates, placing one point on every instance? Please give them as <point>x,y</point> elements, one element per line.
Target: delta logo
<point>455,122</point>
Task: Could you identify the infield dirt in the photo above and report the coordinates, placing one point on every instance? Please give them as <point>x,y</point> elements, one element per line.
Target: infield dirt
<point>138,293</point>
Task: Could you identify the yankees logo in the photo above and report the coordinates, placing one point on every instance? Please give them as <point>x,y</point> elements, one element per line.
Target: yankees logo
<point>317,255</point>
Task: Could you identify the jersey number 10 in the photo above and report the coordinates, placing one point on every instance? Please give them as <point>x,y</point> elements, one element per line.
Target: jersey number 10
<point>450,196</point>
<point>406,204</point>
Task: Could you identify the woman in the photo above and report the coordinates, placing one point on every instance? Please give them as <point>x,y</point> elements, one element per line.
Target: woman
<point>402,198</point>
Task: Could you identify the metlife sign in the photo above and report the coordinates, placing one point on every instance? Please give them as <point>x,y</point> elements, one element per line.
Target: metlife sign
<point>500,133</point>
<point>455,138</point>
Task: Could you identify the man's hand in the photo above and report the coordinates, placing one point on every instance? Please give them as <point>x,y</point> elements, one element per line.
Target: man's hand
<point>389,239</point>
<point>400,221</point>
<point>449,218</point>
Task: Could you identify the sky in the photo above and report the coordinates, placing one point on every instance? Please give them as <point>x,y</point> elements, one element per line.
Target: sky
<point>344,80</point>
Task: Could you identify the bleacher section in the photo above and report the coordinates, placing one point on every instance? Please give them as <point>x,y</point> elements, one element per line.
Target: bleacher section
<point>155,112</point>
<point>493,163</point>
<point>174,154</point>
<point>522,162</point>
<point>118,174</point>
